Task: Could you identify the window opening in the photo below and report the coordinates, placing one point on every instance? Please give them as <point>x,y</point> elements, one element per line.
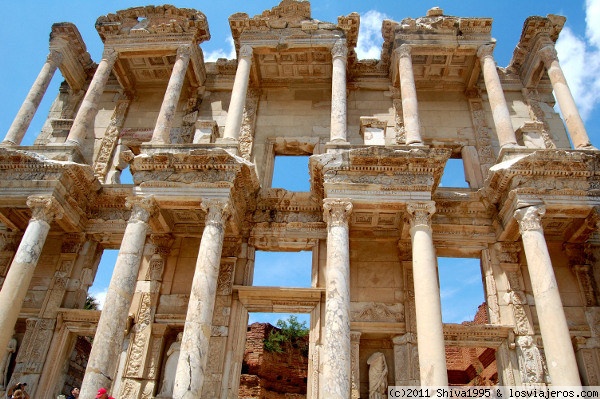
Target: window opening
<point>454,174</point>
<point>291,173</point>
<point>283,269</point>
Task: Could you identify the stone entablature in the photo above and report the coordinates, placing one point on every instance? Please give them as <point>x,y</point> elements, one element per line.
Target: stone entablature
<point>201,143</point>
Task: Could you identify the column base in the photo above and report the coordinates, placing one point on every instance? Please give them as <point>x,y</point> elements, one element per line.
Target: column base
<point>336,146</point>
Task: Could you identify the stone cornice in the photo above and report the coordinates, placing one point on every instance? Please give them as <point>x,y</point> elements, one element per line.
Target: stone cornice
<point>378,171</point>
<point>142,22</point>
<point>545,172</point>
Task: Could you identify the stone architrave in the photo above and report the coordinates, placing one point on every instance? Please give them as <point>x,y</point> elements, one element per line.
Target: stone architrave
<point>88,110</point>
<point>408,91</point>
<point>430,334</point>
<point>19,126</point>
<point>339,53</point>
<point>162,129</point>
<point>235,113</point>
<point>558,349</point>
<point>44,209</point>
<point>191,367</point>
<point>500,113</point>
<point>336,353</point>
<point>108,340</point>
<point>564,97</point>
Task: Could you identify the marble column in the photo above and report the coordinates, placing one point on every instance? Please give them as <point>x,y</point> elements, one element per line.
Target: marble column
<point>336,350</point>
<point>192,364</point>
<point>408,91</point>
<point>430,333</point>
<point>500,113</point>
<point>560,357</point>
<point>84,120</point>
<point>108,341</point>
<point>355,364</point>
<point>162,130</point>
<point>339,53</point>
<point>20,124</point>
<point>564,97</point>
<point>44,209</point>
<point>235,113</point>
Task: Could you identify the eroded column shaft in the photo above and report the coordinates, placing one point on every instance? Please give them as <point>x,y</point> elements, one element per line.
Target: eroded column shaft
<point>21,123</point>
<point>235,113</point>
<point>500,113</point>
<point>408,91</point>
<point>191,367</point>
<point>164,122</point>
<point>108,340</point>
<point>565,99</point>
<point>430,332</point>
<point>339,53</point>
<point>84,120</point>
<point>560,357</point>
<point>337,347</point>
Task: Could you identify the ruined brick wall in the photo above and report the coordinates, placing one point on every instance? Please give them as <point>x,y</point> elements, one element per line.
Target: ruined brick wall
<point>268,375</point>
<point>77,364</point>
<point>472,366</point>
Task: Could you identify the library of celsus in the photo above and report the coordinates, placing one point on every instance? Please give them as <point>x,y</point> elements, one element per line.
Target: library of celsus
<point>201,140</point>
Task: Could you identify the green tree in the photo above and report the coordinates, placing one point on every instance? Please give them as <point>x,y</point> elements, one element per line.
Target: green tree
<point>91,303</point>
<point>289,334</point>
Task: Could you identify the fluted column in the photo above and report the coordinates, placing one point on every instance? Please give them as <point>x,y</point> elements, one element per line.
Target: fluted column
<point>560,356</point>
<point>162,130</point>
<point>500,113</point>
<point>235,113</point>
<point>339,53</point>
<point>109,336</point>
<point>408,91</point>
<point>336,346</point>
<point>44,209</point>
<point>191,367</point>
<point>20,124</point>
<point>564,97</point>
<point>84,120</point>
<point>430,333</point>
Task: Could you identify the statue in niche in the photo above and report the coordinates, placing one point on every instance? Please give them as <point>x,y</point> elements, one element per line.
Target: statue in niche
<point>5,362</point>
<point>168,380</point>
<point>378,373</point>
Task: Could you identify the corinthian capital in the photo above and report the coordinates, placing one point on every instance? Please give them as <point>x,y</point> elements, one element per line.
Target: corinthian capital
<point>486,50</point>
<point>217,211</point>
<point>420,213</point>
<point>336,211</point>
<point>184,51</point>
<point>54,57</point>
<point>44,208</point>
<point>404,50</point>
<point>548,55</point>
<point>110,54</point>
<point>246,51</point>
<point>141,208</point>
<point>530,218</point>
<point>339,50</point>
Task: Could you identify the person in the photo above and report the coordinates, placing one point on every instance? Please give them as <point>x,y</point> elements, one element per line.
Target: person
<point>103,394</point>
<point>18,394</point>
<point>74,393</point>
<point>18,387</point>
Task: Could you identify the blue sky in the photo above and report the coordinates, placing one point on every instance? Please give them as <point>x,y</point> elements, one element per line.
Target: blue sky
<point>24,35</point>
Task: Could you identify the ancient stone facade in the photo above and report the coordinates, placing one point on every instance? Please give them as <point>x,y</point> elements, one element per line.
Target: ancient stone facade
<point>200,139</point>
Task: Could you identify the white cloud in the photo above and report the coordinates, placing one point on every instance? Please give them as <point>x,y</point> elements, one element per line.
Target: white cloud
<point>580,60</point>
<point>369,35</point>
<point>100,297</point>
<point>214,55</point>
